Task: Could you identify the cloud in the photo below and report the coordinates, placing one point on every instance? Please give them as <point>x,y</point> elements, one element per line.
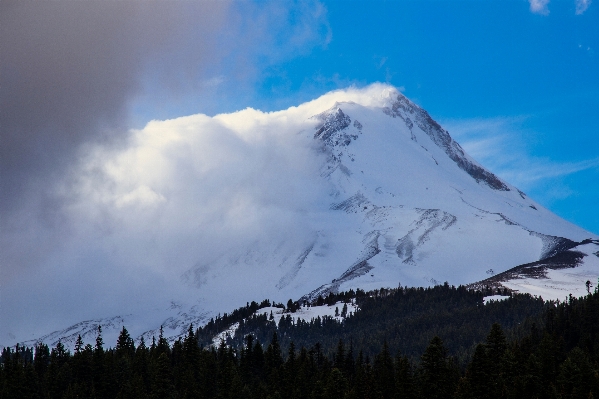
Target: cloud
<point>75,77</point>
<point>498,144</point>
<point>581,6</point>
<point>73,73</point>
<point>539,6</point>
<point>177,196</point>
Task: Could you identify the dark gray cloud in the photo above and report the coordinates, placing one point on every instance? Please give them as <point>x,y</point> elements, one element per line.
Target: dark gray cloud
<point>69,71</point>
<point>70,68</point>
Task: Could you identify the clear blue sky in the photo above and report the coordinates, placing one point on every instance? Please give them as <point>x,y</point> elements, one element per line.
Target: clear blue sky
<point>526,75</point>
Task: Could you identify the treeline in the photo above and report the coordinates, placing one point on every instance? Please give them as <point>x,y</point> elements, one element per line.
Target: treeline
<point>556,358</point>
<point>406,318</point>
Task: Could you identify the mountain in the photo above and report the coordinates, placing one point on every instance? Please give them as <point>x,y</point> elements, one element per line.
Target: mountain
<point>404,204</point>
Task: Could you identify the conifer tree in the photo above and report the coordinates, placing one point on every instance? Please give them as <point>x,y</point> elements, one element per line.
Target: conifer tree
<point>162,384</point>
<point>125,347</point>
<point>273,362</point>
<point>349,368</point>
<point>436,377</point>
<point>99,340</point>
<point>78,345</point>
<point>404,378</point>
<point>339,359</point>
<point>478,376</point>
<point>384,373</point>
<point>577,378</point>
<point>100,373</point>
<point>41,359</point>
<point>290,369</point>
<point>141,368</point>
<point>336,385</point>
<point>163,346</point>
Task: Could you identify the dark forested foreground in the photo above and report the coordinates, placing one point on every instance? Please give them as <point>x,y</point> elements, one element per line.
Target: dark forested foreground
<point>557,357</point>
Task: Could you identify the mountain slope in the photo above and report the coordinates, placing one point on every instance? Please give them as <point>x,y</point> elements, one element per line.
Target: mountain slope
<point>400,202</point>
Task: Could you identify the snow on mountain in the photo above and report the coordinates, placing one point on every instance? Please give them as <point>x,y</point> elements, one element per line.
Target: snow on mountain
<point>306,313</point>
<point>556,275</point>
<point>403,204</point>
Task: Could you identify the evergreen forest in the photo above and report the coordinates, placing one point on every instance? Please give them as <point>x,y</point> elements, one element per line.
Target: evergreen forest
<point>438,342</point>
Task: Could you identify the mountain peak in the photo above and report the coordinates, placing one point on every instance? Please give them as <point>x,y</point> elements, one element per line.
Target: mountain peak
<point>360,188</point>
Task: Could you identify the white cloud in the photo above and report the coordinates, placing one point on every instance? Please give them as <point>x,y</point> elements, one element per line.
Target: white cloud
<point>181,193</point>
<point>581,6</point>
<point>113,221</point>
<point>539,6</point>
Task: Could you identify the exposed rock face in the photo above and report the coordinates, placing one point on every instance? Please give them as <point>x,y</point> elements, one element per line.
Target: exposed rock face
<point>333,121</point>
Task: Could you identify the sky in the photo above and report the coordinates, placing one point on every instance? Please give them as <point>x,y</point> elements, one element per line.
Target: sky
<point>515,82</point>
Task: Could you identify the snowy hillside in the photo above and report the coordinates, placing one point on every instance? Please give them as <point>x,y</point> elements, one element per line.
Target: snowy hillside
<point>398,201</point>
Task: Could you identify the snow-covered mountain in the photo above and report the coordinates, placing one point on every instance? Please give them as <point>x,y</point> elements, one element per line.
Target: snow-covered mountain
<point>404,204</point>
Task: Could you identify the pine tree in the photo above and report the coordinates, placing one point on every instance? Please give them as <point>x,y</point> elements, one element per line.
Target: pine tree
<point>141,368</point>
<point>99,340</point>
<point>123,364</point>
<point>163,346</point>
<point>336,385</point>
<point>436,377</point>
<point>125,347</point>
<point>273,362</point>
<point>291,369</point>
<point>162,383</point>
<point>78,345</point>
<point>384,373</point>
<point>404,378</point>
<point>339,360</point>
<point>577,379</point>
<point>100,373</point>
<point>478,375</point>
<point>188,375</point>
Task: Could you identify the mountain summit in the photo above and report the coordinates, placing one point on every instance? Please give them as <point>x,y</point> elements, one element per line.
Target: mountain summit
<point>388,198</point>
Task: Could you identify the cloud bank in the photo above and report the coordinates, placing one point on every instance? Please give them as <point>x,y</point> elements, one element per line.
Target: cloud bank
<point>176,195</point>
<point>75,76</point>
<point>72,71</point>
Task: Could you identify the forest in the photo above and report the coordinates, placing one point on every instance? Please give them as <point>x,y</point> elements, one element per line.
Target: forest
<point>438,342</point>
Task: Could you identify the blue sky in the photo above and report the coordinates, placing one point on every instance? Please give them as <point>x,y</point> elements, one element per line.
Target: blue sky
<point>516,82</point>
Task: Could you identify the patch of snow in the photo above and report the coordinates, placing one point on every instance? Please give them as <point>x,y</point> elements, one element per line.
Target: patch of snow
<point>492,298</point>
<point>222,336</point>
<point>307,313</point>
<point>560,283</point>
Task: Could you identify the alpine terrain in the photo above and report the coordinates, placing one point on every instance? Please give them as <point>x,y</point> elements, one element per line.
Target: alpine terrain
<point>402,204</point>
